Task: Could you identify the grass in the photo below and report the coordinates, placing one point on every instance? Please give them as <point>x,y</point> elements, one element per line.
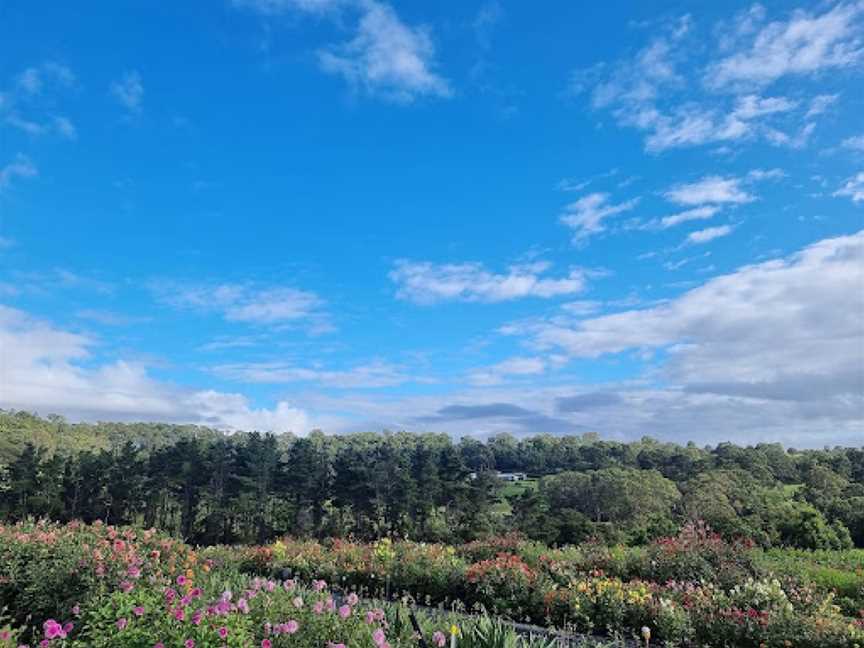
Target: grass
<point>513,489</point>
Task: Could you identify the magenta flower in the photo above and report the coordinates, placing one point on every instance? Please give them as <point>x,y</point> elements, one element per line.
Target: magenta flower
<point>292,626</point>
<point>190,643</point>
<point>378,637</point>
<point>138,611</point>
<point>159,645</point>
<point>370,617</point>
<point>223,632</point>
<point>53,630</point>
<point>345,611</point>
<point>266,643</point>
<point>122,623</point>
<point>181,580</point>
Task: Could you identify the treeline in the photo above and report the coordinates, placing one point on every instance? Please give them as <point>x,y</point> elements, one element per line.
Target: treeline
<point>210,488</point>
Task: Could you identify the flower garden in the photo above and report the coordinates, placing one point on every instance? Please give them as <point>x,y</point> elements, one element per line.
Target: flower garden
<point>78,585</point>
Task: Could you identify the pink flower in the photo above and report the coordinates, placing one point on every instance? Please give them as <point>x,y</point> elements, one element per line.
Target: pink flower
<point>335,645</point>
<point>126,586</point>
<point>159,645</point>
<point>122,623</point>
<point>181,580</point>
<point>288,585</point>
<point>318,585</point>
<point>190,643</point>
<point>134,571</point>
<point>76,609</point>
<point>138,611</point>
<point>292,626</point>
<point>179,614</point>
<point>370,618</point>
<point>223,632</point>
<point>67,627</point>
<point>345,611</point>
<point>243,606</point>
<point>266,643</point>
<point>5,634</point>
<point>353,599</point>
<point>53,630</point>
<point>378,637</point>
<point>439,639</point>
<point>318,608</point>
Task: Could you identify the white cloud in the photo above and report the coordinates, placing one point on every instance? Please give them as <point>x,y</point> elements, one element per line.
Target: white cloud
<point>65,127</point>
<point>805,44</point>
<point>752,327</point>
<point>796,141</point>
<point>586,215</point>
<point>656,90</point>
<point>820,103</point>
<point>20,167</point>
<point>276,7</point>
<point>387,57</point>
<point>245,302</point>
<point>853,188</point>
<point>709,234</point>
<point>129,91</point>
<point>497,373</point>
<point>697,213</point>
<point>34,79</point>
<point>710,189</point>
<point>371,375</point>
<point>428,283</point>
<point>46,369</point>
<point>856,143</point>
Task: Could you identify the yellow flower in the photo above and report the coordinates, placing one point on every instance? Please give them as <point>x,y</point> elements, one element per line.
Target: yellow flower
<point>454,630</point>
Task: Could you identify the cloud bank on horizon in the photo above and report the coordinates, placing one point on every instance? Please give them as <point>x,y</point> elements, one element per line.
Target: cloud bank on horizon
<point>476,219</point>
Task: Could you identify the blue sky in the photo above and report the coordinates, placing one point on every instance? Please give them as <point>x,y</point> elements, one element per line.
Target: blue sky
<point>471,217</point>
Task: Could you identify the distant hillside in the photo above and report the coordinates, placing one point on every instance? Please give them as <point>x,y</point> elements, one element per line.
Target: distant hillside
<point>56,435</point>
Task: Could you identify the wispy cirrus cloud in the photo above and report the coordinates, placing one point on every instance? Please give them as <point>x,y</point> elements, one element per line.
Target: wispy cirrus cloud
<point>718,96</point>
<point>709,190</point>
<point>19,168</point>
<point>128,90</point>
<point>385,57</point>
<point>29,104</point>
<point>709,234</point>
<point>497,373</point>
<point>428,283</point>
<point>248,303</point>
<point>370,375</point>
<point>853,188</point>
<point>805,44</point>
<point>586,215</point>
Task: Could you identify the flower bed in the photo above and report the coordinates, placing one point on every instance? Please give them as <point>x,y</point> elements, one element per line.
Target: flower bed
<point>97,586</point>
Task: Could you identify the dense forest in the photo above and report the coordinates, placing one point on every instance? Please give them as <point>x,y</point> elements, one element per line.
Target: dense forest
<point>211,488</point>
